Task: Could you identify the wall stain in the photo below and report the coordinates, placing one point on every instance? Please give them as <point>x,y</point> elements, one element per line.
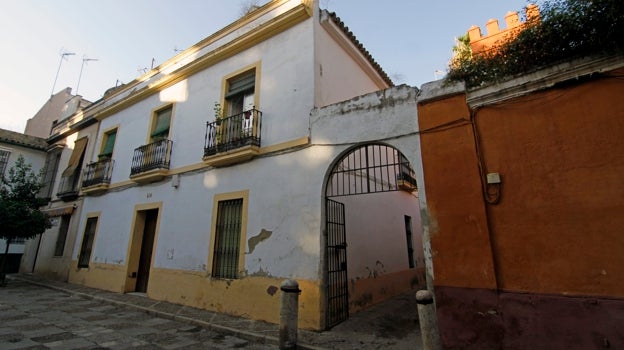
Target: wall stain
<point>272,290</point>
<point>253,241</point>
<point>364,300</point>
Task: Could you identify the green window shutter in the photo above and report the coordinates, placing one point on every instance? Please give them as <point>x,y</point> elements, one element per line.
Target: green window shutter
<point>241,84</point>
<point>163,120</point>
<point>107,151</point>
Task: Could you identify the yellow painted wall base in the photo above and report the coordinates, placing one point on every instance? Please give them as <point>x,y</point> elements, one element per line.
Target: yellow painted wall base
<point>101,276</point>
<point>251,297</point>
<point>53,268</point>
<point>366,292</point>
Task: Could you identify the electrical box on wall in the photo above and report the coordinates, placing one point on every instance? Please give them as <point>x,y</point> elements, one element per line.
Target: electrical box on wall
<point>493,178</point>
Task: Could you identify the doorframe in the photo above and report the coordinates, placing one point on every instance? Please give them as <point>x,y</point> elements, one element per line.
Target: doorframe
<point>135,241</point>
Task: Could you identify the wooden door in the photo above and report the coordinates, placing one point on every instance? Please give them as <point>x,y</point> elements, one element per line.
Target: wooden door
<point>147,246</point>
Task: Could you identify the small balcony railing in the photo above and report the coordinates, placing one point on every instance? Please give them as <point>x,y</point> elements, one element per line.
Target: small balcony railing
<point>97,173</point>
<point>155,155</point>
<point>233,132</point>
<point>68,187</point>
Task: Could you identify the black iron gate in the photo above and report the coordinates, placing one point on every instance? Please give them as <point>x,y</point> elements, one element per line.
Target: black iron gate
<point>337,292</point>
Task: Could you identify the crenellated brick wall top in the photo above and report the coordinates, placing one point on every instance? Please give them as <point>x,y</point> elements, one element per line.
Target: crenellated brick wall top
<point>495,35</point>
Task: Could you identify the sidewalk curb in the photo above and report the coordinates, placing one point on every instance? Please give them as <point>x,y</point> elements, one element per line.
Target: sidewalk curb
<point>250,336</point>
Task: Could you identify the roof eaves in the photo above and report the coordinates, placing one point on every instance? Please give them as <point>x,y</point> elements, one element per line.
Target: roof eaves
<point>19,139</point>
<point>360,47</point>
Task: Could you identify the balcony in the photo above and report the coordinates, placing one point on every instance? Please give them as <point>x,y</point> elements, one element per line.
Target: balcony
<point>233,139</point>
<point>68,187</point>
<point>96,176</point>
<point>151,162</point>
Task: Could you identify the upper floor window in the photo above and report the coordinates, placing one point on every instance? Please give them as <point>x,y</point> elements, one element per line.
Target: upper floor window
<point>240,94</point>
<point>161,124</point>
<point>68,187</point>
<point>4,159</point>
<point>108,144</point>
<point>51,166</point>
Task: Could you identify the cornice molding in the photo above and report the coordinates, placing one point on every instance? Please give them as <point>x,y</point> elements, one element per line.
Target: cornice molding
<point>542,79</point>
<point>249,39</point>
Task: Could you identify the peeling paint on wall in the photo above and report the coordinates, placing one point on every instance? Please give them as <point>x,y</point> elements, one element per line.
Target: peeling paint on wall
<point>253,241</point>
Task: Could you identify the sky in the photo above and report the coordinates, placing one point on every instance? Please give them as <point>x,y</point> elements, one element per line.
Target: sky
<point>115,41</point>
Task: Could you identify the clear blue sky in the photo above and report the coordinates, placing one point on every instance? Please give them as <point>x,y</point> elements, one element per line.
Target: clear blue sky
<point>410,39</point>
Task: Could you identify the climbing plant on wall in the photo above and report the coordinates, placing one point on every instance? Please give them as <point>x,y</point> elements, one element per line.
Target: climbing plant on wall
<point>567,29</point>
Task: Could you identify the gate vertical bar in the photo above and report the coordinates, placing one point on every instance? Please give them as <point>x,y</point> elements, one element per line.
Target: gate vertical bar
<point>337,288</point>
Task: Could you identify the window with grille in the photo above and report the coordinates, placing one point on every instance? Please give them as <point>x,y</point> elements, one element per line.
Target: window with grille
<point>4,159</point>
<point>227,239</point>
<point>87,242</point>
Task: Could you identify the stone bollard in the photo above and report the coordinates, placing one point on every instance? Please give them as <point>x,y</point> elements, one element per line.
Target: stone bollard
<point>428,320</point>
<point>289,314</point>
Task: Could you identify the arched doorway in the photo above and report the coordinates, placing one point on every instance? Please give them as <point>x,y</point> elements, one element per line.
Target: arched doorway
<point>372,224</point>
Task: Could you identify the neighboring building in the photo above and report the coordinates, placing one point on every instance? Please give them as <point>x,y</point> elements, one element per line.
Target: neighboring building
<point>234,166</point>
<point>70,142</point>
<point>12,145</point>
<point>63,103</point>
<point>523,204</point>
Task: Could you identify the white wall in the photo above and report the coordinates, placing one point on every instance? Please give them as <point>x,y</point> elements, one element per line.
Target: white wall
<point>284,198</point>
<point>37,161</point>
<point>338,76</point>
<point>375,231</point>
<point>285,99</point>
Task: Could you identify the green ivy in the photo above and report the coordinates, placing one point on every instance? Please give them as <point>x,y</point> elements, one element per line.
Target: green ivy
<point>568,29</point>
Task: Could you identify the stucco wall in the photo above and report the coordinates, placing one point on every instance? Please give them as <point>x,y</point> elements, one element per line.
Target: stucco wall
<point>552,243</point>
<point>33,157</point>
<point>284,92</point>
<point>338,76</point>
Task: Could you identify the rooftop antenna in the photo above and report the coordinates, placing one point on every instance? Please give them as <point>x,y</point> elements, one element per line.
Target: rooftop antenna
<point>85,59</point>
<point>176,50</point>
<point>63,55</point>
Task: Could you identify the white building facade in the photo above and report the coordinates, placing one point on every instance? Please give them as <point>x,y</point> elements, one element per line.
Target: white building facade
<point>209,179</point>
<point>12,146</point>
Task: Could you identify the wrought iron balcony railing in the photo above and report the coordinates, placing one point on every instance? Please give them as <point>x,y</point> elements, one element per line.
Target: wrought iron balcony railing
<point>233,132</point>
<point>155,155</point>
<point>68,187</point>
<point>97,173</point>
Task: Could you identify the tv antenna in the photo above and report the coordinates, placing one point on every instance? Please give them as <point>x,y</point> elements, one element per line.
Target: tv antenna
<point>85,59</point>
<point>64,54</point>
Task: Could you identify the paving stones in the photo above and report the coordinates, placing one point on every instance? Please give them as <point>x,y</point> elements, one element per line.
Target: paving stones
<point>33,317</point>
<point>108,320</point>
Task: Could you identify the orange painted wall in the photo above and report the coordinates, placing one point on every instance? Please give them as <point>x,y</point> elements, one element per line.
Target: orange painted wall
<point>459,232</point>
<point>542,268</point>
<point>559,227</point>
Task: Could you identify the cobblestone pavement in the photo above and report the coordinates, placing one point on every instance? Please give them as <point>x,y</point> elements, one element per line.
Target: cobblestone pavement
<point>32,317</point>
<point>36,313</point>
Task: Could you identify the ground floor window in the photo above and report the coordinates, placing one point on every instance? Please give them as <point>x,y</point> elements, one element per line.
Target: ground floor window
<point>227,238</point>
<point>87,242</point>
